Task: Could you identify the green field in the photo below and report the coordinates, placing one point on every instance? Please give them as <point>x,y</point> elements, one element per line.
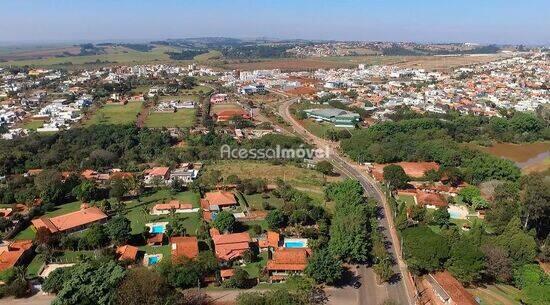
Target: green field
<point>33,124</point>
<point>116,114</point>
<point>114,54</point>
<point>182,118</point>
<point>498,294</point>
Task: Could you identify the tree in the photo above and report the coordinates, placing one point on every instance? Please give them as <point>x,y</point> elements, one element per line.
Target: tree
<point>442,217</point>
<point>251,298</point>
<point>118,189</point>
<point>395,176</point>
<point>225,222</point>
<point>424,250</point>
<point>240,279</point>
<point>324,267</point>
<point>499,264</point>
<point>521,247</point>
<point>276,219</point>
<point>119,229</point>
<point>534,284</point>
<point>142,286</point>
<point>85,191</point>
<point>185,274</point>
<point>324,167</point>
<point>469,193</point>
<point>384,270</point>
<point>91,283</point>
<point>94,237</point>
<point>50,186</point>
<point>536,202</point>
<point>56,279</point>
<point>467,262</point>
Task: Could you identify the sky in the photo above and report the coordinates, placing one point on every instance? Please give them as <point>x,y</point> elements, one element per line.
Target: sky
<point>479,21</point>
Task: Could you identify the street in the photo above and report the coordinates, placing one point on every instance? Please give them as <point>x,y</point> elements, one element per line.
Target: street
<point>370,293</point>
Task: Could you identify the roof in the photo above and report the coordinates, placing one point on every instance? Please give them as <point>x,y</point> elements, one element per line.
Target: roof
<point>11,255</point>
<point>71,220</point>
<point>226,273</point>
<point>452,288</point>
<point>288,259</point>
<point>425,198</point>
<point>220,198</point>
<point>156,239</point>
<point>89,174</point>
<point>157,171</point>
<point>230,246</point>
<point>273,238</point>
<point>332,112</point>
<point>127,252</point>
<point>172,204</point>
<point>186,246</point>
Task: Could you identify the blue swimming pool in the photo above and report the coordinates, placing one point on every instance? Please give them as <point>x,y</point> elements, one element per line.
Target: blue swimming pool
<point>295,244</point>
<point>455,214</point>
<point>153,260</point>
<point>158,229</point>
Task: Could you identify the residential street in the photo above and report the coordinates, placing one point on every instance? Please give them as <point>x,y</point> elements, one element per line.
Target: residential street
<point>370,293</point>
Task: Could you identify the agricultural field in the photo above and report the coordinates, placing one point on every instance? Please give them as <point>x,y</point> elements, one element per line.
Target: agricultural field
<point>116,114</point>
<point>217,108</point>
<point>114,54</point>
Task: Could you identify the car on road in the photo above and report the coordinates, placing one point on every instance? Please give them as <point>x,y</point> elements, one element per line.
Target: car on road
<point>357,285</point>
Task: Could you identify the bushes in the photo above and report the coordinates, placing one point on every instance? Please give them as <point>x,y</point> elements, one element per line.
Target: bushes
<point>424,250</point>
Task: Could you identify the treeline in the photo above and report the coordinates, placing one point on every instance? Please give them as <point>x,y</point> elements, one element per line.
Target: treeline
<point>256,51</point>
<point>96,147</point>
<point>185,54</point>
<point>140,47</point>
<point>439,140</point>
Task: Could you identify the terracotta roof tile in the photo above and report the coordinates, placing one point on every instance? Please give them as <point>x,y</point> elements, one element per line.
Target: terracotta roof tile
<point>184,246</point>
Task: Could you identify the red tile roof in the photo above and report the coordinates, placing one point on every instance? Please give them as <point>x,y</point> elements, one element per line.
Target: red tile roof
<point>127,252</point>
<point>425,198</point>
<point>227,273</point>
<point>11,255</point>
<point>288,259</point>
<point>220,198</point>
<point>157,171</point>
<point>184,246</point>
<point>173,204</point>
<point>230,246</point>
<point>70,221</point>
<point>454,289</point>
<point>155,239</point>
<point>89,174</point>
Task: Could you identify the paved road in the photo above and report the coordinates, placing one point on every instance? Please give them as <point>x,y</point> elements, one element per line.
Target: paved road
<point>370,292</point>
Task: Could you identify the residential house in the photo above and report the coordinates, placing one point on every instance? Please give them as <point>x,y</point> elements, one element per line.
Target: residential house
<point>14,253</point>
<point>184,247</point>
<point>71,222</point>
<point>173,205</point>
<point>287,261</point>
<point>271,241</point>
<point>127,253</point>
<point>230,247</point>
<point>228,115</point>
<point>218,200</point>
<point>157,175</point>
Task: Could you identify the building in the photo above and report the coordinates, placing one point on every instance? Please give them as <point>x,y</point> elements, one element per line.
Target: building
<point>447,290</point>
<point>338,117</point>
<point>184,247</point>
<point>218,200</point>
<point>71,222</point>
<point>218,98</point>
<point>228,115</point>
<point>14,253</point>
<point>157,175</point>
<point>172,205</point>
<point>271,241</point>
<point>127,253</point>
<point>286,262</point>
<point>230,247</point>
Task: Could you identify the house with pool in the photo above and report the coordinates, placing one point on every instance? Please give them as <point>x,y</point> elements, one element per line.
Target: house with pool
<point>285,262</point>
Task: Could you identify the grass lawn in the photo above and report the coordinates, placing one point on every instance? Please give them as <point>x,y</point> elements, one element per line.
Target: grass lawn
<point>64,209</point>
<point>182,118</point>
<point>496,294</point>
<point>255,268</point>
<point>138,212</point>
<point>407,199</point>
<point>33,124</point>
<point>27,234</point>
<point>68,257</point>
<point>165,250</point>
<point>116,114</point>
<point>255,201</point>
<point>34,267</point>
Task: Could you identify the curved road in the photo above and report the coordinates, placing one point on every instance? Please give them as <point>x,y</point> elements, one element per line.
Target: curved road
<point>370,293</point>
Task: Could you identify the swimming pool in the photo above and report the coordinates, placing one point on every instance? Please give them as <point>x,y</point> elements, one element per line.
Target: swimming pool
<point>153,260</point>
<point>295,243</point>
<point>158,229</point>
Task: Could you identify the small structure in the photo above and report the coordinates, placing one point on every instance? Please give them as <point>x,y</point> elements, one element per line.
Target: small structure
<point>270,242</point>
<point>172,205</point>
<point>339,117</point>
<point>157,175</point>
<point>156,239</point>
<point>218,200</point>
<point>230,247</point>
<point>127,253</point>
<point>448,290</point>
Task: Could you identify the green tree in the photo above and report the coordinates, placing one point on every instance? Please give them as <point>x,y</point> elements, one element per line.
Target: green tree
<point>536,202</point>
<point>383,270</point>
<point>94,237</point>
<point>142,286</point>
<point>276,219</point>
<point>324,267</point>
<point>395,176</point>
<point>225,222</point>
<point>469,193</point>
<point>85,191</point>
<point>534,285</point>
<point>521,247</point>
<point>442,217</point>
<point>467,262</point>
<point>91,283</point>
<point>324,167</point>
<point>56,279</point>
<point>424,250</point>
<point>119,229</point>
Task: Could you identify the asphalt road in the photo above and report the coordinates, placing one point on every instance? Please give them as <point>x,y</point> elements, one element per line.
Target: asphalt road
<point>370,293</point>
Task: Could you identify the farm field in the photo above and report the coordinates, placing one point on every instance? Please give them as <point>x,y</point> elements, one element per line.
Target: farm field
<point>114,54</point>
<point>181,119</point>
<point>116,114</point>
